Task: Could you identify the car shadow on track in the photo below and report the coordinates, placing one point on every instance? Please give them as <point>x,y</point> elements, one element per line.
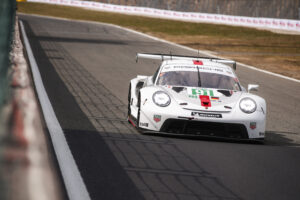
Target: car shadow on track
<point>273,138</point>
<point>280,138</point>
<point>206,138</point>
<point>158,167</point>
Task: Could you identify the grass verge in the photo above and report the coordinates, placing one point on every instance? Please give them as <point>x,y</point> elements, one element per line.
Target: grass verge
<point>279,53</point>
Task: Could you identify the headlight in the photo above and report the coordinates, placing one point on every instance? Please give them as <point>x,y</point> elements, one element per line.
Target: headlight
<point>161,99</point>
<point>247,105</point>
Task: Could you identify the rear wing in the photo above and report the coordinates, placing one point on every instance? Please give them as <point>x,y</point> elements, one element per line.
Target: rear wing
<point>163,57</point>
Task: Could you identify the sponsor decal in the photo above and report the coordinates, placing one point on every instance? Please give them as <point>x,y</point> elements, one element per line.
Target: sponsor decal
<point>157,118</point>
<point>195,92</point>
<point>198,62</point>
<point>198,91</point>
<point>192,68</point>
<point>144,124</point>
<point>211,115</point>
<point>261,133</point>
<point>193,96</point>
<point>253,125</point>
<point>214,98</point>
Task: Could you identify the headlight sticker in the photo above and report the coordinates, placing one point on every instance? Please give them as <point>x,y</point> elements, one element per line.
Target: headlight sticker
<point>247,105</point>
<point>161,99</point>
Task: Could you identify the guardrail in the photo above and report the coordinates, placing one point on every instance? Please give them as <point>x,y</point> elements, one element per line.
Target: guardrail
<point>24,162</point>
<point>7,22</point>
<point>7,19</point>
<point>256,22</point>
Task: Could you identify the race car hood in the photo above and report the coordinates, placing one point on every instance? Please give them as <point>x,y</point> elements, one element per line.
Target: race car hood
<point>205,99</point>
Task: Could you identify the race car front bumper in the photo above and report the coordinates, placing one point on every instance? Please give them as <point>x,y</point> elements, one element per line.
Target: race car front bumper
<point>234,124</point>
<point>196,127</point>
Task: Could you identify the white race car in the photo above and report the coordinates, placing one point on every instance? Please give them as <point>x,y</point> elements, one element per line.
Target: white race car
<point>195,96</point>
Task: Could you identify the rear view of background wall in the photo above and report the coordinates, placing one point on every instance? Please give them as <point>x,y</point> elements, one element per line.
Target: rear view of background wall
<point>284,9</point>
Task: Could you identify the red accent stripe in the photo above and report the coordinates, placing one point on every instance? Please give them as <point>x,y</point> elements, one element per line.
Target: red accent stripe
<point>133,124</point>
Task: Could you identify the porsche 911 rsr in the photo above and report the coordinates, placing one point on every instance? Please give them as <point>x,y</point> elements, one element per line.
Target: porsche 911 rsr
<point>195,96</point>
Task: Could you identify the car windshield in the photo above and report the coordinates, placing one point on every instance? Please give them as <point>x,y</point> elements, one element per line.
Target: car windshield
<point>191,79</point>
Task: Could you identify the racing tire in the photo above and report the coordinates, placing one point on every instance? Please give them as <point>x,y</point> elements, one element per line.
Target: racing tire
<point>139,110</point>
<point>129,100</point>
<point>260,141</point>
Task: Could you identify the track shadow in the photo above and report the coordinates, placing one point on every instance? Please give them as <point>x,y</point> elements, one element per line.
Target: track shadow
<point>274,138</point>
<point>278,138</point>
<point>207,138</point>
<point>158,168</point>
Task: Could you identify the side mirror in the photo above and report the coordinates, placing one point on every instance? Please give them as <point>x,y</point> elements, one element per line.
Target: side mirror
<point>252,87</point>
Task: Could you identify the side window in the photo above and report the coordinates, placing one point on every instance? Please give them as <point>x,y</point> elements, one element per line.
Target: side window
<point>155,75</point>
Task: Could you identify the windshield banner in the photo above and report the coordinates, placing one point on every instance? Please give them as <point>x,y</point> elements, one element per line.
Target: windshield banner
<point>193,68</point>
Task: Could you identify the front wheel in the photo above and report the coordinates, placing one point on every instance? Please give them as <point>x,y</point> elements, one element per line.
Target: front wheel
<point>129,101</point>
<point>139,110</point>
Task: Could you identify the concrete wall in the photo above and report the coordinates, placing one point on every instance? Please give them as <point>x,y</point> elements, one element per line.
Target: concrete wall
<point>7,17</point>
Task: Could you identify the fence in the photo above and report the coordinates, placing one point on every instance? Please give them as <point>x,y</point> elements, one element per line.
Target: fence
<point>283,9</point>
<point>257,22</point>
<point>7,19</point>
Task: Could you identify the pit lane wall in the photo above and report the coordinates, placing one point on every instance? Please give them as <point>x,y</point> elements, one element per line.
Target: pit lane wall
<point>7,17</point>
<point>25,161</point>
<point>254,22</point>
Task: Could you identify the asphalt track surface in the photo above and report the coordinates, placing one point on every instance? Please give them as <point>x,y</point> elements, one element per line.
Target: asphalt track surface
<point>86,68</point>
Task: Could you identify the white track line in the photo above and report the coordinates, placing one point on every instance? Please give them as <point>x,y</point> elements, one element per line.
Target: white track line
<point>75,187</point>
<point>174,44</point>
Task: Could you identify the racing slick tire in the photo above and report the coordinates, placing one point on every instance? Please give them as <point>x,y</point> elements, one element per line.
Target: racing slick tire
<point>129,99</point>
<point>139,110</point>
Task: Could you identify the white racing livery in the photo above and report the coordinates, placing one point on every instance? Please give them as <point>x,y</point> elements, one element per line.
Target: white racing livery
<point>195,96</point>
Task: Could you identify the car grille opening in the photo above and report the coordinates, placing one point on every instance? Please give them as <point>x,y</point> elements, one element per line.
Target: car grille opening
<point>215,129</point>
